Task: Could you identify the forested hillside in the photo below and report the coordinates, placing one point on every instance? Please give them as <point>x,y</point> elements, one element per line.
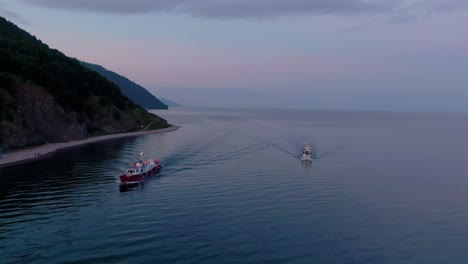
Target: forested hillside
<point>46,96</point>
<point>135,92</point>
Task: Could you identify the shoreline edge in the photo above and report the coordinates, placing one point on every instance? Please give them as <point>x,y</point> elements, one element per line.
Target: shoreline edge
<point>30,154</point>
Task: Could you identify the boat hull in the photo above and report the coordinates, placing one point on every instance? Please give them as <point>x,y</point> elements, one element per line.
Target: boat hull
<point>137,178</point>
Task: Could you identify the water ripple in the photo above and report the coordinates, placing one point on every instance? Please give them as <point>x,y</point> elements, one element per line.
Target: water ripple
<point>232,190</point>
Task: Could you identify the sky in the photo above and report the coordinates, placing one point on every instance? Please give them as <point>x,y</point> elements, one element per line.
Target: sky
<point>376,55</point>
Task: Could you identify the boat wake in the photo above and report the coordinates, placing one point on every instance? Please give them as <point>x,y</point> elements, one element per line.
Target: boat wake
<point>294,147</point>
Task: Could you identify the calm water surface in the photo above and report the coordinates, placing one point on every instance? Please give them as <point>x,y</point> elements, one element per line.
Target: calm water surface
<point>383,188</point>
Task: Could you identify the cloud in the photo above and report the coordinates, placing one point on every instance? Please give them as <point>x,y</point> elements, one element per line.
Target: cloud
<point>8,14</point>
<point>255,8</point>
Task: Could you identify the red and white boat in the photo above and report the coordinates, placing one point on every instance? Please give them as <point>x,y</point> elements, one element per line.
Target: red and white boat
<point>140,170</point>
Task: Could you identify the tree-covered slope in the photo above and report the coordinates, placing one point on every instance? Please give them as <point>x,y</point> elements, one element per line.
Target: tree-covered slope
<point>46,96</point>
<point>133,91</point>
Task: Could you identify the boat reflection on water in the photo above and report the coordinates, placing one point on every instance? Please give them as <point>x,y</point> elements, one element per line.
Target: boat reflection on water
<point>306,164</point>
<point>131,187</point>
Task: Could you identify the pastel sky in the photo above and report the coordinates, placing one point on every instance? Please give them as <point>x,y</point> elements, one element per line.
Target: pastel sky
<point>398,55</point>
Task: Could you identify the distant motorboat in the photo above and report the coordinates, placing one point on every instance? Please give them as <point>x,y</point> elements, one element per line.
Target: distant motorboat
<point>307,153</point>
<point>140,170</point>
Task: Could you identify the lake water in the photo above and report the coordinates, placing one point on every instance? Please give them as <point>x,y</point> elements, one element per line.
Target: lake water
<point>383,188</point>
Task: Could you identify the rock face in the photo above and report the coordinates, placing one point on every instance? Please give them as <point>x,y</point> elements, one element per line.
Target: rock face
<point>39,119</point>
<point>43,115</point>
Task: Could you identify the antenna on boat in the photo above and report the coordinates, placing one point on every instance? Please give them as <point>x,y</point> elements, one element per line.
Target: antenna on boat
<point>140,156</point>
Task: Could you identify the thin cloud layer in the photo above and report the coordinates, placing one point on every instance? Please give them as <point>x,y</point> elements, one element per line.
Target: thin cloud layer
<point>254,8</point>
<point>13,16</point>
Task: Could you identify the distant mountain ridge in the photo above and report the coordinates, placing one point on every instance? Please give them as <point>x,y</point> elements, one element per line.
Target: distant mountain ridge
<point>170,103</point>
<point>46,96</point>
<point>135,92</point>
